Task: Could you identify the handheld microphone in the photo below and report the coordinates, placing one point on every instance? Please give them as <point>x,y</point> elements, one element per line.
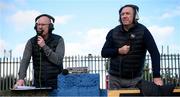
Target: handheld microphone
<point>39,33</point>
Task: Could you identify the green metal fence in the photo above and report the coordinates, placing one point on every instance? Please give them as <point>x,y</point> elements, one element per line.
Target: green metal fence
<point>170,69</point>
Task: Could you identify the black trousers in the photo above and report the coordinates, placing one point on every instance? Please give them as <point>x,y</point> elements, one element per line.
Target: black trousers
<point>151,89</point>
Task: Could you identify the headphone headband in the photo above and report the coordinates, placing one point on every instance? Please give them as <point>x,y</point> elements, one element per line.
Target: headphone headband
<point>135,7</point>
<point>50,17</point>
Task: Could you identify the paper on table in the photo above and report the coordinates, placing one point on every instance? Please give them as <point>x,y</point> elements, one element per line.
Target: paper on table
<point>24,87</point>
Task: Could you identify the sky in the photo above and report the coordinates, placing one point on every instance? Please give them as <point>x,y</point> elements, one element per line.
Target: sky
<point>84,24</point>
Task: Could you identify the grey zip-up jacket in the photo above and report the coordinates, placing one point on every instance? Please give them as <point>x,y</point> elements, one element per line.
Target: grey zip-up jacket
<point>52,55</point>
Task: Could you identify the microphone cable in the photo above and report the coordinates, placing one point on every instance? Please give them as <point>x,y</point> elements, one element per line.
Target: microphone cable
<point>40,67</point>
<point>39,33</point>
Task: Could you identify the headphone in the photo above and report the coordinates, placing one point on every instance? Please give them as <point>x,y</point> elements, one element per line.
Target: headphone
<point>51,26</point>
<point>136,10</point>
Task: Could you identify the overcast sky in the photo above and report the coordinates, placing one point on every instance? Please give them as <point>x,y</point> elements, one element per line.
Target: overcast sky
<point>84,24</point>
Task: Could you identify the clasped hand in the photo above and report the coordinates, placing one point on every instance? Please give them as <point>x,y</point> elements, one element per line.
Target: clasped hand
<point>124,50</point>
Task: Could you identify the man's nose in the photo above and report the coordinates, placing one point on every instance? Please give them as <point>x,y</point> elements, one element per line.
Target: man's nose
<point>124,15</point>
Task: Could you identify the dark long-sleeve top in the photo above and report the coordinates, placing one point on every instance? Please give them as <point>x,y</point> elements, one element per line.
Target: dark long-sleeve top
<point>55,57</point>
<point>109,51</point>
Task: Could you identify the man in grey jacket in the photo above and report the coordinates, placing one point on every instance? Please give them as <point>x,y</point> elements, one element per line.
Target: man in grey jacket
<point>47,52</point>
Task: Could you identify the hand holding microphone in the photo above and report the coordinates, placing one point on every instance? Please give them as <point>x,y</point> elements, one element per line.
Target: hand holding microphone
<point>40,40</point>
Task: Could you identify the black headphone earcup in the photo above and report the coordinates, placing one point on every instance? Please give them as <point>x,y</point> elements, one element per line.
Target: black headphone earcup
<point>35,27</point>
<point>136,15</point>
<point>51,27</point>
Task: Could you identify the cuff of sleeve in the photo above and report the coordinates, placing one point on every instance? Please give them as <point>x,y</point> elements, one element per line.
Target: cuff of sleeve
<point>21,76</point>
<point>117,52</point>
<point>156,75</point>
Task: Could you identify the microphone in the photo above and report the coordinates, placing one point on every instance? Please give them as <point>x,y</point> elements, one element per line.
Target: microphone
<point>39,33</point>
